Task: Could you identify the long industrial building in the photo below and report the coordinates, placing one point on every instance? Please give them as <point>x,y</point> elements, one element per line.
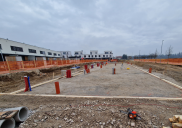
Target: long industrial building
<point>25,52</point>
<point>94,55</point>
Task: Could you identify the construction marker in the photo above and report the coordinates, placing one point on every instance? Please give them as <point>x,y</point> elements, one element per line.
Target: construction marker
<point>29,83</point>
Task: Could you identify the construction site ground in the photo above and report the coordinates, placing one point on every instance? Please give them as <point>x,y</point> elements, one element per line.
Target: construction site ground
<point>101,82</point>
<point>14,81</point>
<point>58,112</point>
<point>63,112</point>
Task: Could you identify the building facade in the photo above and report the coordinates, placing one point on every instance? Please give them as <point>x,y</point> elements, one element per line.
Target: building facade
<point>25,51</point>
<point>95,55</point>
<point>78,54</point>
<point>66,54</point>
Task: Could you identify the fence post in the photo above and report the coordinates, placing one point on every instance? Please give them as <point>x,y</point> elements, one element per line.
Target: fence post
<point>22,65</point>
<point>51,61</point>
<point>34,63</point>
<point>44,63</point>
<point>8,64</point>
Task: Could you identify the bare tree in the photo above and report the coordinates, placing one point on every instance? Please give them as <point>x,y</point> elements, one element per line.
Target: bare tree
<point>169,52</point>
<point>155,55</point>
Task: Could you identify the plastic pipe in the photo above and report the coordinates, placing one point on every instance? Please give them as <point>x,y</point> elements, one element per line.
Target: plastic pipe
<point>7,123</point>
<point>21,115</point>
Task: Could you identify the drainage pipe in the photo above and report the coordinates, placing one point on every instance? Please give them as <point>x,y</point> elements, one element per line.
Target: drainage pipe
<point>7,123</point>
<point>21,115</point>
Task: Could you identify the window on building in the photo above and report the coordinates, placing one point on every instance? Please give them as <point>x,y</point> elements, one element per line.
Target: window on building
<point>92,56</point>
<point>64,52</point>
<point>84,56</point>
<point>59,55</point>
<point>91,53</point>
<point>55,54</point>
<point>103,55</point>
<point>106,52</point>
<point>95,55</point>
<point>88,55</point>
<point>42,52</point>
<point>99,55</point>
<point>0,46</point>
<point>106,55</point>
<point>32,50</point>
<point>76,53</point>
<point>14,48</point>
<point>110,52</point>
<point>49,53</point>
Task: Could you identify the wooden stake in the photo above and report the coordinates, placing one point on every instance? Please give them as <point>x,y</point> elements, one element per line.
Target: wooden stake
<point>44,63</point>
<point>8,65</point>
<point>34,63</point>
<point>23,65</point>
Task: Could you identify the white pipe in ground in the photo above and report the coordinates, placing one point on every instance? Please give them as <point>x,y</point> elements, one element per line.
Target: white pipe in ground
<point>7,123</point>
<point>22,114</point>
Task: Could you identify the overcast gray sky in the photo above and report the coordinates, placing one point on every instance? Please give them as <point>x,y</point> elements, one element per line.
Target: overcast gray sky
<point>123,26</point>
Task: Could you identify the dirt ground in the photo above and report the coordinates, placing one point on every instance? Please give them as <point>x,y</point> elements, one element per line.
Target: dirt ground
<point>172,71</point>
<point>54,112</point>
<point>101,82</point>
<point>14,81</point>
<point>59,112</point>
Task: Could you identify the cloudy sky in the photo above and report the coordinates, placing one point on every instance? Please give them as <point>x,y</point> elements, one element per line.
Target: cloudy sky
<point>123,26</point>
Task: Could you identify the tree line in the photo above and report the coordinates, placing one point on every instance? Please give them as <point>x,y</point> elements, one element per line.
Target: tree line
<point>156,55</point>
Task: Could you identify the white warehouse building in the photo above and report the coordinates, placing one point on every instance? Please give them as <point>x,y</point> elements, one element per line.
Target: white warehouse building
<point>25,51</point>
<point>95,55</point>
<point>66,54</point>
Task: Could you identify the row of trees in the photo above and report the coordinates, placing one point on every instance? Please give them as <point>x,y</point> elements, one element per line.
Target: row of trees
<point>156,55</point>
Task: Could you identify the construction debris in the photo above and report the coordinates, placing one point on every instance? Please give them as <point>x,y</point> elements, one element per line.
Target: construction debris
<point>176,121</point>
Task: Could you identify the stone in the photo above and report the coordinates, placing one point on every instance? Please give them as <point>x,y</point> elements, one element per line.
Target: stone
<point>34,124</point>
<point>132,124</point>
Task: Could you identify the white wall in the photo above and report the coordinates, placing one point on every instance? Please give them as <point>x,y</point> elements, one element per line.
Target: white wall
<point>101,55</point>
<point>65,55</point>
<point>6,49</point>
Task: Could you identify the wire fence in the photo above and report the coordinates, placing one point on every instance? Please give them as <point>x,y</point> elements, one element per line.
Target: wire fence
<point>9,66</point>
<point>176,61</point>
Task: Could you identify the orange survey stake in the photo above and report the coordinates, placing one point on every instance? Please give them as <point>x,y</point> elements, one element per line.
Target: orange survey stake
<point>57,87</point>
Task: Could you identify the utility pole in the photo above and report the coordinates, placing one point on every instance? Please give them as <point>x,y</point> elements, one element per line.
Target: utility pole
<point>161,49</point>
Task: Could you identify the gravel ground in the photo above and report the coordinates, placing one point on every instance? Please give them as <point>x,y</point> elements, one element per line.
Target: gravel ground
<point>101,82</point>
<point>53,112</point>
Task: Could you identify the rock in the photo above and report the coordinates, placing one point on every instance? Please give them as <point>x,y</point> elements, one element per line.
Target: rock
<point>120,126</point>
<point>59,126</point>
<point>155,126</point>
<point>34,124</point>
<point>149,122</point>
<point>132,124</point>
<point>35,121</point>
